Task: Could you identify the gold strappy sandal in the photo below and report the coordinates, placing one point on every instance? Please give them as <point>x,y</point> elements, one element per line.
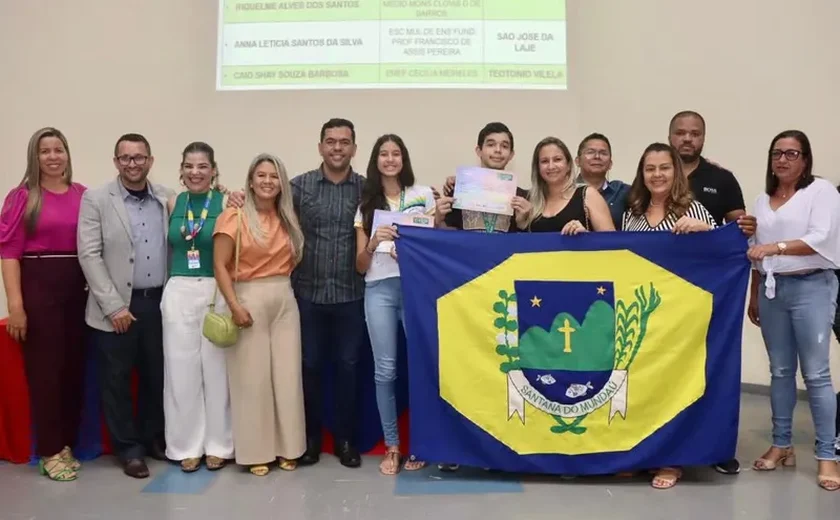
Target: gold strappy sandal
<point>56,469</point>
<point>412,464</point>
<point>214,463</point>
<point>391,462</point>
<point>259,470</point>
<point>190,465</point>
<point>69,459</point>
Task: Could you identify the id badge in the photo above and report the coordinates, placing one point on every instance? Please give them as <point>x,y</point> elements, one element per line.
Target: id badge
<point>193,259</point>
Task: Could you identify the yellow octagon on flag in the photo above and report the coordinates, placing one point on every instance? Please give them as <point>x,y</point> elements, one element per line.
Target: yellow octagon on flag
<point>666,376</point>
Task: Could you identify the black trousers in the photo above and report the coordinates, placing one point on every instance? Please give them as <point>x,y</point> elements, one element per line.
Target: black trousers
<point>331,333</point>
<point>140,347</point>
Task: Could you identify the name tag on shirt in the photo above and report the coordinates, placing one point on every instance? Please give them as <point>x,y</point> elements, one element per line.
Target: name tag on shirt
<point>193,259</point>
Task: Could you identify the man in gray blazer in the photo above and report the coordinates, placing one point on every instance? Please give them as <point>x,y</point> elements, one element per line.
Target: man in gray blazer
<point>123,252</point>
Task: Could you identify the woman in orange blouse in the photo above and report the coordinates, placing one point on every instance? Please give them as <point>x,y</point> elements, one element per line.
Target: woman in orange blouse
<point>264,366</point>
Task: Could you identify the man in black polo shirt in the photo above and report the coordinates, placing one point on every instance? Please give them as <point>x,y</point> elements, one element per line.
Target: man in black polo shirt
<point>714,187</point>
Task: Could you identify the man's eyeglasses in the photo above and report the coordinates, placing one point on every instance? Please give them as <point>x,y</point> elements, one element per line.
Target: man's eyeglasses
<point>790,155</point>
<point>125,160</point>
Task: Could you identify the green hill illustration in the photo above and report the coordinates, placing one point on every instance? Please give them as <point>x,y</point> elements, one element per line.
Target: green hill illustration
<point>569,345</point>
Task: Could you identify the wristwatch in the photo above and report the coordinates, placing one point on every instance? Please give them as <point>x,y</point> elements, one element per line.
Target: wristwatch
<point>782,247</point>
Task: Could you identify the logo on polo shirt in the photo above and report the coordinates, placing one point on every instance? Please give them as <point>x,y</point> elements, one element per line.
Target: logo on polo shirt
<point>709,189</point>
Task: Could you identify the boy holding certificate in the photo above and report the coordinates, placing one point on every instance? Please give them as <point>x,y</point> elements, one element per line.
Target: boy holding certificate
<point>487,197</point>
<point>494,150</point>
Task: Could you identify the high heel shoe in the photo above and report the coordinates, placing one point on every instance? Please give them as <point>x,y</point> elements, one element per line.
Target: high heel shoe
<point>69,459</point>
<point>828,482</point>
<point>55,469</point>
<point>786,459</point>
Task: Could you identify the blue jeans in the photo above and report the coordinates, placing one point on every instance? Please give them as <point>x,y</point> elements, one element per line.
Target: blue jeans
<point>797,322</point>
<point>383,313</point>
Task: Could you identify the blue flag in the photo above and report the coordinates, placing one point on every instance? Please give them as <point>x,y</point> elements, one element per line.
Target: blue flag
<point>591,354</point>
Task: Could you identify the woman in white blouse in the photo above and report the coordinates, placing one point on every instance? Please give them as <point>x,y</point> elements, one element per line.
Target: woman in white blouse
<point>660,200</point>
<point>793,296</point>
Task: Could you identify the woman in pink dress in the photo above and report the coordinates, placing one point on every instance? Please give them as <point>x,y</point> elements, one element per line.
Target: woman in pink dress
<point>45,292</point>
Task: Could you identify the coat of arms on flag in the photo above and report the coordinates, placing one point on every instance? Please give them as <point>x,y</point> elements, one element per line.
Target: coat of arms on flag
<point>569,363</point>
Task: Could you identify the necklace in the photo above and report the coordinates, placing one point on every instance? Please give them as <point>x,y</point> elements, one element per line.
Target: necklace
<point>191,230</point>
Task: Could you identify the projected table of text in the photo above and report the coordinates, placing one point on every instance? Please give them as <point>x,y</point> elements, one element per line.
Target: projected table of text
<point>392,44</point>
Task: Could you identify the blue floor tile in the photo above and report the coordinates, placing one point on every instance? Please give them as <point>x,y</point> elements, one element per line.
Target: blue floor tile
<point>175,481</point>
<point>465,481</point>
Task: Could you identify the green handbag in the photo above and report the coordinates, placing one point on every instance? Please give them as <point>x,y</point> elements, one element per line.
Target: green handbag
<point>220,328</point>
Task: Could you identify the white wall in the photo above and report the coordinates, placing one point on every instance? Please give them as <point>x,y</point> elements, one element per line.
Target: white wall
<point>752,67</point>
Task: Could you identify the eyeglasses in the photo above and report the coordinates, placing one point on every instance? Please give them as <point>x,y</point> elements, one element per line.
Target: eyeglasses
<point>790,155</point>
<point>590,154</point>
<point>125,160</point>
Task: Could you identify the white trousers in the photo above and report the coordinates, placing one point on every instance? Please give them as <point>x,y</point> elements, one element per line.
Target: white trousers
<point>196,401</point>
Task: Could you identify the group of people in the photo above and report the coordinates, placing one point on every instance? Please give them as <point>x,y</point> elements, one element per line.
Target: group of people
<point>306,279</point>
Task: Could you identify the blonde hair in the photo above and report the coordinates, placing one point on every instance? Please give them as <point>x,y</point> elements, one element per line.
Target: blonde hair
<point>32,176</point>
<point>539,189</point>
<point>283,205</point>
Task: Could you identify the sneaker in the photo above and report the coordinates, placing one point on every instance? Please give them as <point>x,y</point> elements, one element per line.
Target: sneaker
<point>730,467</point>
<point>449,468</point>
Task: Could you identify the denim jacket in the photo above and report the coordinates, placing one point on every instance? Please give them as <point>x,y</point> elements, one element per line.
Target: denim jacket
<point>615,192</point>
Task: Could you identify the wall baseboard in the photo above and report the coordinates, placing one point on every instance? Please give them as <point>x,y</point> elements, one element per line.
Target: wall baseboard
<point>756,389</point>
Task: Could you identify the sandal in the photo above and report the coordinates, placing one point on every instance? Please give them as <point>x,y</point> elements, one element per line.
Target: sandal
<point>287,464</point>
<point>412,464</point>
<point>214,463</point>
<point>259,470</point>
<point>666,478</point>
<point>786,457</point>
<point>190,465</point>
<point>828,482</point>
<point>390,464</point>
<point>67,458</point>
<point>56,469</point>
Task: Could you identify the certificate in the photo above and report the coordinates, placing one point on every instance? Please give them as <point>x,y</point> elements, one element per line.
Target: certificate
<point>485,190</point>
<point>398,218</point>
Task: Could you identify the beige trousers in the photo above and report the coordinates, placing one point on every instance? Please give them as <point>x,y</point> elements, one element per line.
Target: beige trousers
<point>264,374</point>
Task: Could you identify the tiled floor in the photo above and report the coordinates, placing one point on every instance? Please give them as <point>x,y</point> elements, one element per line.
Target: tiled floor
<point>329,491</point>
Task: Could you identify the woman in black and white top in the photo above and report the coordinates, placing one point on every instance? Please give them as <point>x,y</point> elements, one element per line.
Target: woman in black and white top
<point>660,198</point>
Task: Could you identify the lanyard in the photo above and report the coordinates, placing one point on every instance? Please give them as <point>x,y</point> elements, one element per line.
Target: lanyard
<point>489,222</point>
<point>192,229</point>
<point>402,200</point>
